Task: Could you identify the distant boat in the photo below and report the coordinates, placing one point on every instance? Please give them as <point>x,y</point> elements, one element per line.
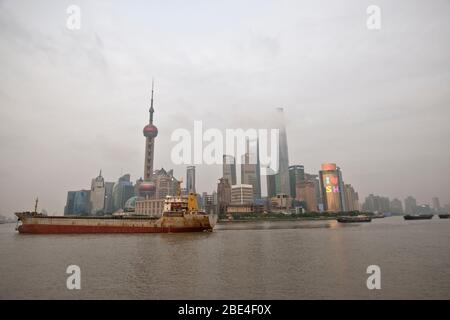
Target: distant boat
<point>417,216</point>
<point>444,215</point>
<point>350,219</point>
<point>378,215</point>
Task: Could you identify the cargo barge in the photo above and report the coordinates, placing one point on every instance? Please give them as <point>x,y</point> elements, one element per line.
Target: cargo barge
<point>180,215</point>
<point>354,219</point>
<point>418,216</point>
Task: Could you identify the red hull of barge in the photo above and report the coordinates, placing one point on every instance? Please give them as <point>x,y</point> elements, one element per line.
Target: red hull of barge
<point>68,229</point>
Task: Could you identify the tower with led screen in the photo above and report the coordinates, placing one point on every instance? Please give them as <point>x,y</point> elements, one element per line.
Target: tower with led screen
<point>147,187</point>
<point>331,185</point>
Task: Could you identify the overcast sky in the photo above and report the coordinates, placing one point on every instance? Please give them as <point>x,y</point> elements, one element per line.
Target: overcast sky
<point>73,102</point>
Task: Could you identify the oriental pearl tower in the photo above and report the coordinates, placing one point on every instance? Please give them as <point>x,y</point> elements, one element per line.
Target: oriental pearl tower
<point>147,187</point>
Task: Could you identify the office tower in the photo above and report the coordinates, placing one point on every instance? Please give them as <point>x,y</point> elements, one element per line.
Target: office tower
<point>229,169</point>
<point>306,194</point>
<point>147,187</point>
<point>242,194</point>
<point>341,190</point>
<point>351,198</point>
<point>375,203</point>
<point>190,179</point>
<point>396,206</point>
<point>78,203</point>
<point>271,186</point>
<point>98,192</point>
<point>331,187</point>
<point>122,191</point>
<point>109,201</point>
<point>68,208</point>
<point>315,179</point>
<point>410,205</point>
<point>165,183</point>
<point>296,175</point>
<point>282,177</point>
<point>223,195</point>
<point>249,171</point>
<point>436,205</point>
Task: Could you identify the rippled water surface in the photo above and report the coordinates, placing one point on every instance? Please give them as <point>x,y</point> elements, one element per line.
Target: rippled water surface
<point>247,260</point>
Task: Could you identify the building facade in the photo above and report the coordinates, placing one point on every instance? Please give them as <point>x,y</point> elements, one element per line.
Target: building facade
<point>223,195</point>
<point>122,191</point>
<point>296,176</point>
<point>78,203</point>
<point>97,196</point>
<point>306,194</point>
<point>190,179</point>
<point>229,169</point>
<point>351,198</point>
<point>330,180</point>
<point>250,171</point>
<point>241,194</point>
<point>410,205</point>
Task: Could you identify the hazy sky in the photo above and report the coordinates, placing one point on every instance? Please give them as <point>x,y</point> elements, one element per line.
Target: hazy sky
<point>376,102</point>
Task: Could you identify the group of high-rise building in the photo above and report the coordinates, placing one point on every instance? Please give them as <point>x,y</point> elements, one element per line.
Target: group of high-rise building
<point>103,197</point>
<point>290,189</point>
<point>382,204</point>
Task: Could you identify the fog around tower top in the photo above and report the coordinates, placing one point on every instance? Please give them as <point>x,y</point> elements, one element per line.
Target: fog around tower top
<point>74,102</point>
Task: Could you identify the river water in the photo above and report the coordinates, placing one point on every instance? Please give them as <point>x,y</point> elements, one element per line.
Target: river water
<point>246,260</point>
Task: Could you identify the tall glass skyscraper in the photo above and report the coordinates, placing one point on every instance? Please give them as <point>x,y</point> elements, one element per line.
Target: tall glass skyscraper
<point>229,169</point>
<point>282,183</point>
<point>190,179</point>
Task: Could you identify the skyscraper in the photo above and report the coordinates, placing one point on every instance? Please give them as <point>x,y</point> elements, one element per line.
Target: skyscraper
<point>122,191</point>
<point>375,203</point>
<point>223,195</point>
<point>396,206</point>
<point>278,182</point>
<point>306,194</point>
<point>436,204</point>
<point>351,198</point>
<point>410,205</point>
<point>98,192</point>
<point>229,169</point>
<point>78,203</point>
<point>249,171</point>
<point>330,179</point>
<point>315,178</point>
<point>109,201</point>
<point>271,185</point>
<point>190,179</point>
<point>150,131</point>
<point>296,175</point>
<point>282,178</point>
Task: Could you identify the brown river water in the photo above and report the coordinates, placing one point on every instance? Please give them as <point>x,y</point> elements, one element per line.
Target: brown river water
<point>246,260</point>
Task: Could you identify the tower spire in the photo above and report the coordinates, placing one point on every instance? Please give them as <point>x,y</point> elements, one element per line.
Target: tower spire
<point>151,104</point>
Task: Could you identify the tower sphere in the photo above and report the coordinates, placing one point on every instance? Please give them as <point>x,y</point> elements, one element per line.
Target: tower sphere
<point>150,131</point>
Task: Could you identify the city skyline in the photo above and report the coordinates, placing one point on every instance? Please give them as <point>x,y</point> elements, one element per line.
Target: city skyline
<point>383,120</point>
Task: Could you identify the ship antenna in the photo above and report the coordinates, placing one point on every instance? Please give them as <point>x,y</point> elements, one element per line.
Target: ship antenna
<point>36,204</point>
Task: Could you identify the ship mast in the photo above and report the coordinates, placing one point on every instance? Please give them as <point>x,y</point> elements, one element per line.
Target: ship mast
<point>36,204</point>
